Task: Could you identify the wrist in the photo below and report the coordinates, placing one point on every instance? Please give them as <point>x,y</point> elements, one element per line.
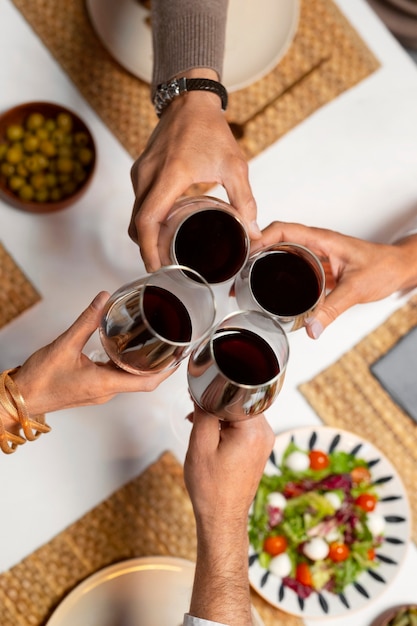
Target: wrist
<point>408,262</point>
<point>180,88</point>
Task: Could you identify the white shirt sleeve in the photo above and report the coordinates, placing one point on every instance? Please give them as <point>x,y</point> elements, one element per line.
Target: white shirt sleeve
<point>189,620</point>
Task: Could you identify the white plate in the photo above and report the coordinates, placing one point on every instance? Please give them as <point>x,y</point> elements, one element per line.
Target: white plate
<point>258,34</point>
<point>153,591</point>
<point>393,506</point>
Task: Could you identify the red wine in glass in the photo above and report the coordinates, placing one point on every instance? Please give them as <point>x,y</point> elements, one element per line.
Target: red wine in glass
<point>244,357</point>
<point>284,283</point>
<point>212,242</point>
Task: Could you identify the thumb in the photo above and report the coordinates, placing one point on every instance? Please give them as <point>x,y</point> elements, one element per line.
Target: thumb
<point>85,325</point>
<point>335,303</point>
<point>205,431</point>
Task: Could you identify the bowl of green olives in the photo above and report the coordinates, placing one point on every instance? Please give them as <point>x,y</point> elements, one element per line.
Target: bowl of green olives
<point>47,157</point>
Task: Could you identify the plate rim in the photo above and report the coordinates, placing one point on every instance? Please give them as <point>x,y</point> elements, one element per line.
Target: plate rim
<point>407,514</point>
<point>93,580</point>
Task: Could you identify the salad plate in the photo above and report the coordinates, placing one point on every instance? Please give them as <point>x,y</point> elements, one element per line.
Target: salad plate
<point>330,524</point>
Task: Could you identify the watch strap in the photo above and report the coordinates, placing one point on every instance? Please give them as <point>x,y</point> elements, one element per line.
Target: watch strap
<point>166,92</point>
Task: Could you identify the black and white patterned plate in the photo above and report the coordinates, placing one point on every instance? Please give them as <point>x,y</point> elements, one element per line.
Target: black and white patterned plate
<point>393,506</point>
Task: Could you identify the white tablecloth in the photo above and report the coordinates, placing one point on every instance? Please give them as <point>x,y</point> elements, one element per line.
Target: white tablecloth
<point>351,166</point>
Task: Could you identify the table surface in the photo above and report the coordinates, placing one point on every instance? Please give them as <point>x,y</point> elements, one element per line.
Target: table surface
<point>351,166</point>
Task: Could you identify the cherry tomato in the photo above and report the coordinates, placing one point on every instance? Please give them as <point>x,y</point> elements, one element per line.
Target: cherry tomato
<point>292,490</point>
<point>275,544</point>
<point>338,551</point>
<point>366,501</point>
<point>318,460</point>
<point>371,554</point>
<point>360,474</point>
<point>303,574</point>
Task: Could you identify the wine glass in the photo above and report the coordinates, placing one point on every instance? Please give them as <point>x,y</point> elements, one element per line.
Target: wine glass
<point>285,280</point>
<point>151,324</point>
<point>237,371</point>
<point>206,234</point>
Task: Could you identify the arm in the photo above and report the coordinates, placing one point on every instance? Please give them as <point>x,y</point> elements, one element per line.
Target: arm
<point>222,472</point>
<point>357,271</point>
<point>60,376</point>
<point>192,142</point>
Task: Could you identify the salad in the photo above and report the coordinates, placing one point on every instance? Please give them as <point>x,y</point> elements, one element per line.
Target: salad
<point>315,524</point>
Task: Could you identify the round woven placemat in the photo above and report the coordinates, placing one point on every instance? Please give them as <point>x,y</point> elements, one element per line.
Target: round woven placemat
<point>347,395</point>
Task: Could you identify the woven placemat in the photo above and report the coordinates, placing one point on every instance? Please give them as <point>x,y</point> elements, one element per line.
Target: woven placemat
<point>346,395</point>
<point>16,291</point>
<point>151,515</point>
<point>326,51</point>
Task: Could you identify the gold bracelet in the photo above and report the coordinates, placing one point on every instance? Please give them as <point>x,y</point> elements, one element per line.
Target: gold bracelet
<point>13,402</point>
<point>8,441</point>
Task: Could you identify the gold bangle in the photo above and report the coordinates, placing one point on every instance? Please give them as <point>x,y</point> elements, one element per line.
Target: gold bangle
<point>16,407</point>
<point>8,441</point>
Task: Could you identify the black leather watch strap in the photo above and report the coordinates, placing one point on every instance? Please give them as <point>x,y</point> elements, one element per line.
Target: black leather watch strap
<point>166,92</point>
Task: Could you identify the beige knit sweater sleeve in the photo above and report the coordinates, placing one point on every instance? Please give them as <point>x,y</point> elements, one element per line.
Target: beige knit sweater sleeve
<point>187,34</point>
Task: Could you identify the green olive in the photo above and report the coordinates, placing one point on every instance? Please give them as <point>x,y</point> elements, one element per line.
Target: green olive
<point>3,150</point>
<point>51,180</point>
<point>64,121</point>
<point>65,165</point>
<point>81,139</point>
<point>85,155</point>
<point>16,182</point>
<point>14,154</point>
<point>38,181</point>
<point>30,143</point>
<point>55,194</point>
<point>26,192</point>
<point>35,120</point>
<point>47,148</point>
<point>15,132</point>
<point>50,125</point>
<point>7,169</point>
<point>41,195</point>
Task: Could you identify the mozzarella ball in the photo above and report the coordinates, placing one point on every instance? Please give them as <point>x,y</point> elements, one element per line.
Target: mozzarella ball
<point>297,461</point>
<point>277,500</point>
<point>375,523</point>
<point>334,499</point>
<point>316,549</point>
<point>280,565</point>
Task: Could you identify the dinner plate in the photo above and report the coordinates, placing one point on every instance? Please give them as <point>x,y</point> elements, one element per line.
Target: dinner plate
<point>151,591</point>
<point>258,34</point>
<point>393,506</point>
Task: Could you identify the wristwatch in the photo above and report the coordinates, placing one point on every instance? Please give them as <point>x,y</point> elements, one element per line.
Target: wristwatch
<point>166,92</point>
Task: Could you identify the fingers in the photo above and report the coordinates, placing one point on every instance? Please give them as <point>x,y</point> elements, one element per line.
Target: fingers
<point>85,325</point>
<point>145,232</point>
